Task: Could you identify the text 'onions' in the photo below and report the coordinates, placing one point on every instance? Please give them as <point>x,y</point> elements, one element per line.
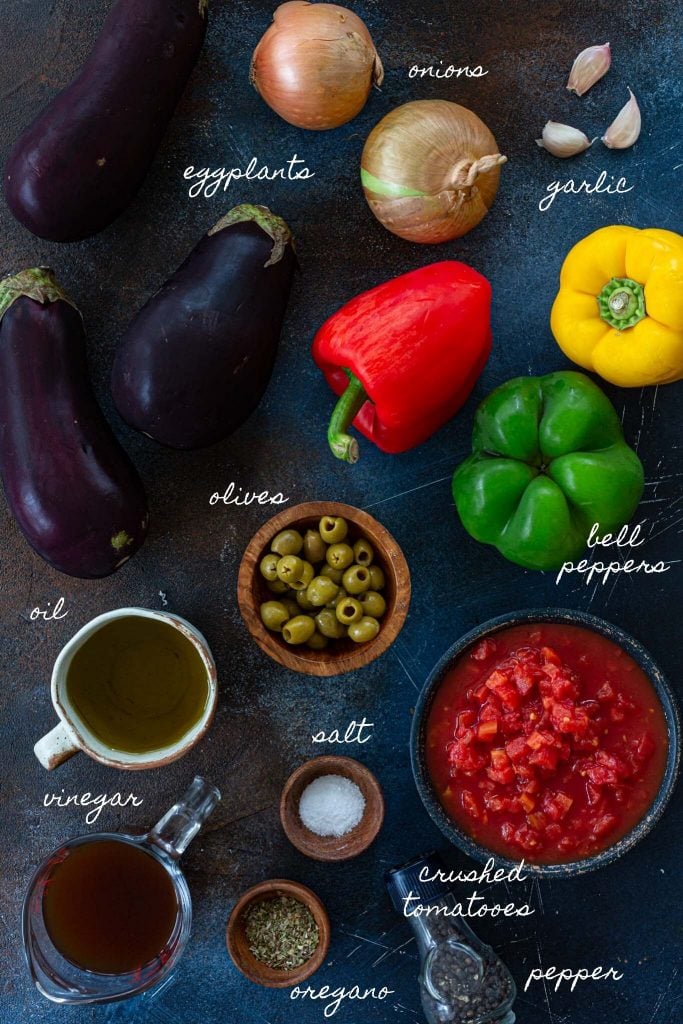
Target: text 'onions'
<point>430,170</point>
<point>315,65</point>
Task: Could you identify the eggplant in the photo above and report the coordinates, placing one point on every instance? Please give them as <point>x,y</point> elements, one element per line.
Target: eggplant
<point>69,485</point>
<point>195,362</point>
<point>81,162</point>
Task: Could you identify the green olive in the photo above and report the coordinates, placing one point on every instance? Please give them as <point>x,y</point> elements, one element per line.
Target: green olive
<point>314,546</point>
<point>289,569</point>
<point>317,642</point>
<point>356,579</point>
<point>274,615</point>
<point>303,602</point>
<point>349,610</point>
<point>373,604</point>
<point>377,580</point>
<point>277,587</point>
<point>291,605</point>
<point>363,552</point>
<point>287,542</point>
<point>268,567</point>
<point>293,571</point>
<point>339,556</point>
<point>329,625</point>
<point>360,632</point>
<point>334,574</point>
<point>339,596</point>
<point>321,591</point>
<point>299,629</point>
<point>333,529</point>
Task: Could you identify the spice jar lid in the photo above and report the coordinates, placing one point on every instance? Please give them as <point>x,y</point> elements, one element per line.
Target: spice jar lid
<point>405,880</point>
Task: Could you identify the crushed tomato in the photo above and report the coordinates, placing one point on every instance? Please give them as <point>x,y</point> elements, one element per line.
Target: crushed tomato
<point>546,741</point>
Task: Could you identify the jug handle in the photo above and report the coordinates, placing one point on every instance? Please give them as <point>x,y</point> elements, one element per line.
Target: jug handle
<point>56,747</point>
<point>174,832</point>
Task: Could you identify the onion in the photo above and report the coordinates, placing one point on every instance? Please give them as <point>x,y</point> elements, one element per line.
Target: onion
<point>430,170</point>
<point>315,65</point>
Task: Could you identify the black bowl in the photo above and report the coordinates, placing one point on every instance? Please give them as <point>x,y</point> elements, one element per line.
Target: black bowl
<point>417,739</point>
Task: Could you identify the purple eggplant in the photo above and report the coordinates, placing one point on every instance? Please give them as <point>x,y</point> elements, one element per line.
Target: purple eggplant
<point>81,162</point>
<point>196,360</point>
<point>69,485</point>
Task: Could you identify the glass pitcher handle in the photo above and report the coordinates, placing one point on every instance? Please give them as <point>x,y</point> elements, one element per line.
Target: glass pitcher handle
<point>175,831</point>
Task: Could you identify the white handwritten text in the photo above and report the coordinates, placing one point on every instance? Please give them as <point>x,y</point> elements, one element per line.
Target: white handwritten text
<point>571,187</point>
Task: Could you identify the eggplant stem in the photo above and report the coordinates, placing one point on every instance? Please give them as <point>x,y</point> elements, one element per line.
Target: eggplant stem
<point>274,226</point>
<point>37,283</point>
<point>351,400</point>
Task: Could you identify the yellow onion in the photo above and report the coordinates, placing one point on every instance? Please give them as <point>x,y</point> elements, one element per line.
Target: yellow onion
<point>430,170</point>
<point>315,65</point>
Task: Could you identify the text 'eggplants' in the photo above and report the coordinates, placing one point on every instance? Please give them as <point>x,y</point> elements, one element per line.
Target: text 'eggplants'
<point>80,163</point>
<point>69,485</point>
<point>195,362</point>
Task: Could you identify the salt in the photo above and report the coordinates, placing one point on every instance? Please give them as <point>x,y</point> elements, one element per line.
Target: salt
<point>331,805</point>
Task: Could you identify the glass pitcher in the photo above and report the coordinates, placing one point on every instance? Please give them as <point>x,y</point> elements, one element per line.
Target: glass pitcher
<point>64,981</point>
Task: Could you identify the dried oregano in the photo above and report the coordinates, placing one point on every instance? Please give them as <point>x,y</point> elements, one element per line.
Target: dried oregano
<point>281,932</point>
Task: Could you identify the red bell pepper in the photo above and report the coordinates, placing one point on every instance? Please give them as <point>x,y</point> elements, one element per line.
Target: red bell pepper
<point>404,356</point>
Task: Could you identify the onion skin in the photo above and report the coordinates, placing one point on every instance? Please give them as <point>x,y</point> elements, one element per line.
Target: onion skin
<point>430,171</point>
<point>315,65</point>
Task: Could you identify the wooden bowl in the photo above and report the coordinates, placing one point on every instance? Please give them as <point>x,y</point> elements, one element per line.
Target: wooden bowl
<point>341,655</point>
<point>327,848</point>
<point>238,947</point>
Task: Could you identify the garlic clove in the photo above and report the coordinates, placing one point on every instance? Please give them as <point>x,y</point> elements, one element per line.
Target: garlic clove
<point>562,140</point>
<point>625,128</point>
<point>588,68</point>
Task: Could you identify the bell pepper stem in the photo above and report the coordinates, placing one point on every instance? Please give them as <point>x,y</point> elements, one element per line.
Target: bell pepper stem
<point>351,400</point>
<point>622,303</point>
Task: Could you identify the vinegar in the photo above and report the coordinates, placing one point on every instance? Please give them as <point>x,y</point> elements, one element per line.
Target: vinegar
<point>109,906</point>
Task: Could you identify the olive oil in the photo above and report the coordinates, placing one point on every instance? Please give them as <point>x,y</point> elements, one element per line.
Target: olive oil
<point>138,684</point>
<point>109,907</point>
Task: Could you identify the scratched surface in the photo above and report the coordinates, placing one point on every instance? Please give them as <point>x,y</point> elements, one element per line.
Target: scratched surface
<point>623,916</point>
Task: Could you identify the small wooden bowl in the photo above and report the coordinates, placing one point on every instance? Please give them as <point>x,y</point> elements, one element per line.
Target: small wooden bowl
<point>341,655</point>
<point>327,848</point>
<point>238,947</point>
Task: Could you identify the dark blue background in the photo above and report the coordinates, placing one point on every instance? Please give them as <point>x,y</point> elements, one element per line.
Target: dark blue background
<point>624,916</point>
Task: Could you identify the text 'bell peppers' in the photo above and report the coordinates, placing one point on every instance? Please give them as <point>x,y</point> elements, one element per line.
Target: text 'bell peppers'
<point>404,356</point>
<point>549,461</point>
<point>619,310</point>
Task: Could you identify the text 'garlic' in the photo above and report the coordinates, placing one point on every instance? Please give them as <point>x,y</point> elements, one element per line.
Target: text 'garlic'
<point>562,140</point>
<point>625,128</point>
<point>588,68</point>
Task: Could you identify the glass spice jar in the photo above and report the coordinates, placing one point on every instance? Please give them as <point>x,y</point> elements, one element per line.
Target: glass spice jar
<point>462,980</point>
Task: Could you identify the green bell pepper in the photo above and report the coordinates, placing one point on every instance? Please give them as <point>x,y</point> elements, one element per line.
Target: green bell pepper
<point>549,460</point>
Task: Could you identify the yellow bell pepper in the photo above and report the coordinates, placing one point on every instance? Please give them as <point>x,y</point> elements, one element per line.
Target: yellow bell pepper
<point>619,310</point>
